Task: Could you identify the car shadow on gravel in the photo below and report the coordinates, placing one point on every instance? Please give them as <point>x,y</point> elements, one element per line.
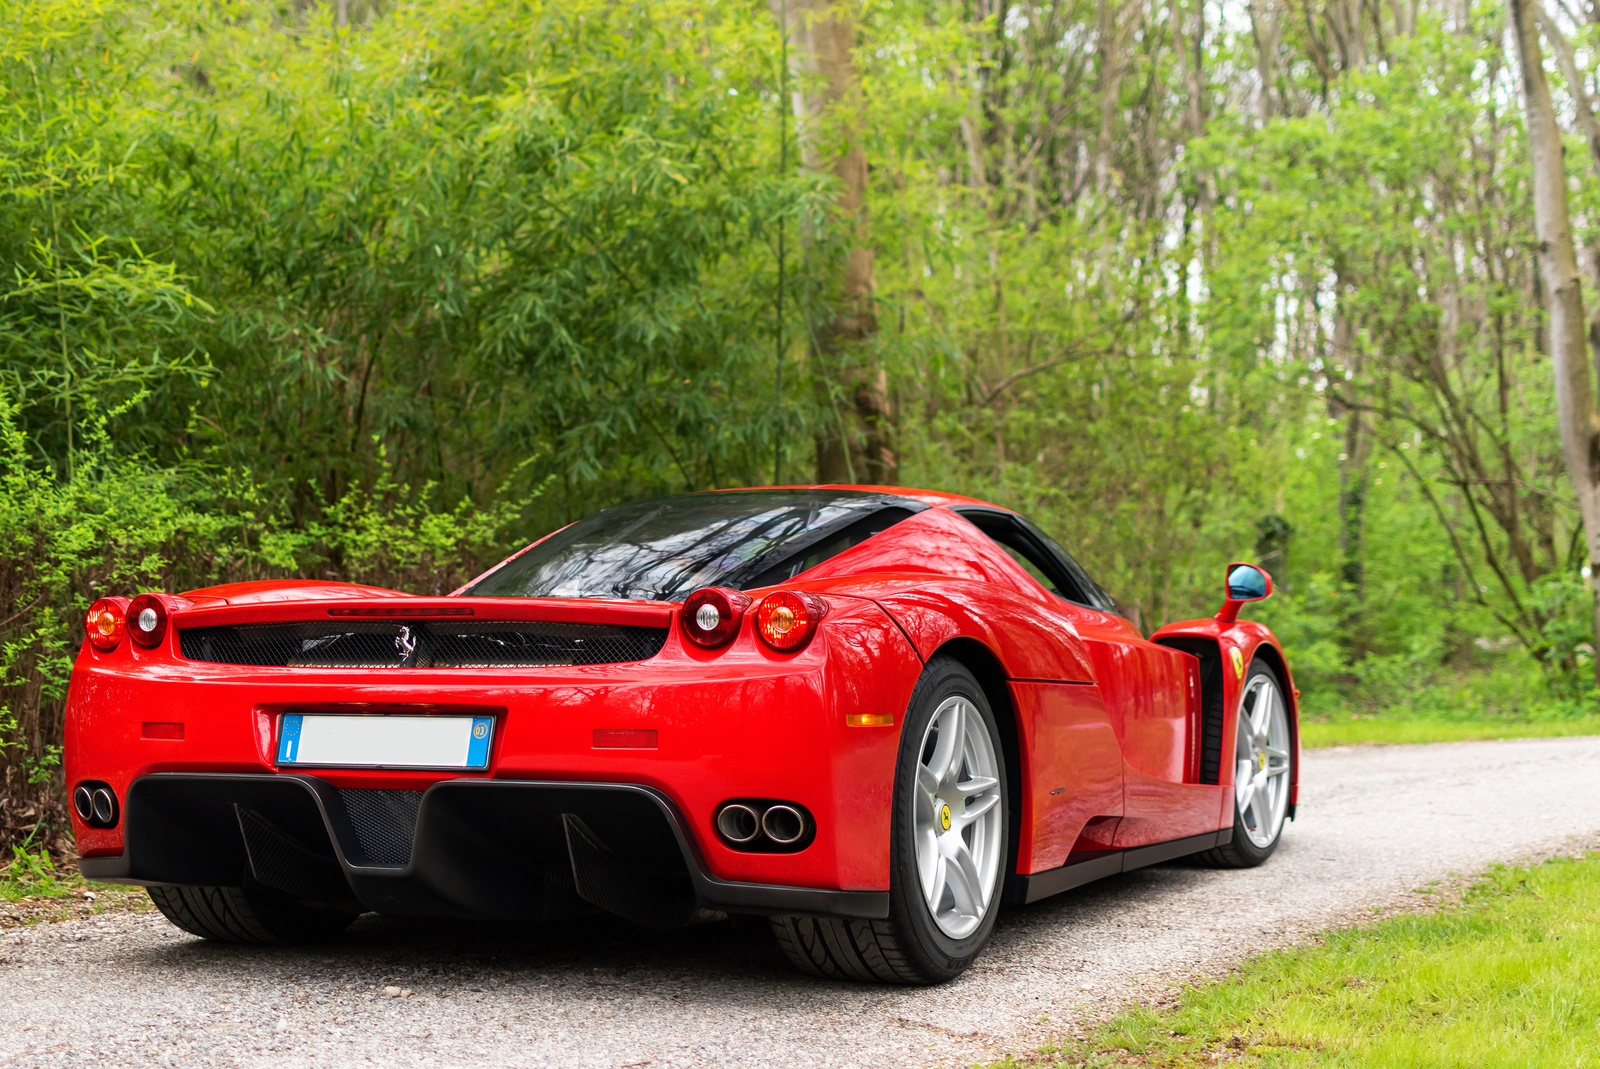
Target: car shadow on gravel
<point>473,955</point>
<point>402,950</point>
<point>603,956</point>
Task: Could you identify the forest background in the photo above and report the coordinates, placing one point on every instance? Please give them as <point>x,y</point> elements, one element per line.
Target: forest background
<point>381,291</point>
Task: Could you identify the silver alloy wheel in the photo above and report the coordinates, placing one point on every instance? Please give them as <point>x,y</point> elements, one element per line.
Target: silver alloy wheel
<point>1261,756</point>
<point>958,818</point>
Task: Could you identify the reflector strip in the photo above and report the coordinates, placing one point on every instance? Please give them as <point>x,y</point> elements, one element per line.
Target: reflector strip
<point>625,738</point>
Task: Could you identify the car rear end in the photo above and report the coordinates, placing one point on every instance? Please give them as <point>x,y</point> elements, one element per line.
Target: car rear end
<point>503,757</point>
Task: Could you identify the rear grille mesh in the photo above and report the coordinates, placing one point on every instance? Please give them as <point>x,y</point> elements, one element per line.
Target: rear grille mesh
<point>420,644</point>
<point>385,822</point>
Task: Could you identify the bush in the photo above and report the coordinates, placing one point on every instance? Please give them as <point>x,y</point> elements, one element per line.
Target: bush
<point>121,525</point>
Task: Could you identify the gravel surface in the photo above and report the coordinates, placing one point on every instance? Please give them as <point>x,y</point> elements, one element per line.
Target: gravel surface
<point>1376,825</point>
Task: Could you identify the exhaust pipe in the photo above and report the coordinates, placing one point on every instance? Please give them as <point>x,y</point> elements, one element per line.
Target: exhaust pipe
<point>105,806</point>
<point>783,824</point>
<point>83,803</point>
<point>738,823</point>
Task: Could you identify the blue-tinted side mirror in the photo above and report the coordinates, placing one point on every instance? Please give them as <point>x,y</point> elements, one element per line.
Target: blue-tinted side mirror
<point>1246,582</point>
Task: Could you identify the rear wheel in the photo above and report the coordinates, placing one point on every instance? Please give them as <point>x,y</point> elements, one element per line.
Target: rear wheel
<point>252,914</point>
<point>948,848</point>
<point>1261,773</point>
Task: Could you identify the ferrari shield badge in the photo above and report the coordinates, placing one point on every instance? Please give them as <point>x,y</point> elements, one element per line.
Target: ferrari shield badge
<point>1238,661</point>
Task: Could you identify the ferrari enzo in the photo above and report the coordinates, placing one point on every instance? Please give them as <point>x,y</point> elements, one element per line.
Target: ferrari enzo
<point>870,714</point>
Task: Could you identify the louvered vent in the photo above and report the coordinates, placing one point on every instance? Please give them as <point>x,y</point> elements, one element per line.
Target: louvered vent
<point>420,644</point>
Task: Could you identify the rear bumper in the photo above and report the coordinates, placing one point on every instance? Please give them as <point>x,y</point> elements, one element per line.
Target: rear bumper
<point>500,849</point>
<point>700,727</point>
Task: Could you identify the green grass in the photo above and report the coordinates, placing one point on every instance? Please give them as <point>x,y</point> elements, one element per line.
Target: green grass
<point>1506,978</point>
<point>30,874</point>
<point>1377,729</point>
<point>34,891</point>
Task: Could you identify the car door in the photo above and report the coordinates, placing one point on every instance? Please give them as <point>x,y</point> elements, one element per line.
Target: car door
<point>1151,693</point>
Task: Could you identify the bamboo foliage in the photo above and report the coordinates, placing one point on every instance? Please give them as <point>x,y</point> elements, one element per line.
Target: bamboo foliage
<point>383,291</point>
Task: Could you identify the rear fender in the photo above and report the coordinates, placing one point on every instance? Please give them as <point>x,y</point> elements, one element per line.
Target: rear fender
<point>1237,645</point>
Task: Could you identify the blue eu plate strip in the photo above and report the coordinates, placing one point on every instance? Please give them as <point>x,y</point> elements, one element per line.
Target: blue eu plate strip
<point>478,747</point>
<point>289,740</point>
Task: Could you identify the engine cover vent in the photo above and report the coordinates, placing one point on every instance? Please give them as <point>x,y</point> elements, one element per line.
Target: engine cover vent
<point>447,643</point>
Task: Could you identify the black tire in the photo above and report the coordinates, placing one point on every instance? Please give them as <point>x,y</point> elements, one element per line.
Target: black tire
<point>1240,852</point>
<point>253,914</point>
<point>907,947</point>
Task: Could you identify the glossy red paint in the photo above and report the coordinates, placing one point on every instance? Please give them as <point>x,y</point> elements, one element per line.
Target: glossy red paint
<point>1072,770</point>
<point>271,590</point>
<point>1105,722</point>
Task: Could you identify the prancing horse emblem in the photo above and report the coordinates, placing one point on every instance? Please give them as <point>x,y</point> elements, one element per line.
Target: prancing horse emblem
<point>405,642</point>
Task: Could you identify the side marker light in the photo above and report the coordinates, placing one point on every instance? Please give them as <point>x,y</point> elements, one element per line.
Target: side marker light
<point>869,720</point>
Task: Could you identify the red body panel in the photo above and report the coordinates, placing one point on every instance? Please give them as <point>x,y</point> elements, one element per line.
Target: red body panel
<point>1105,721</point>
<point>1071,771</point>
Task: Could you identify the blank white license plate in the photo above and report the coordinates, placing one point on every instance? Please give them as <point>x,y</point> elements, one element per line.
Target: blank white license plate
<point>385,741</point>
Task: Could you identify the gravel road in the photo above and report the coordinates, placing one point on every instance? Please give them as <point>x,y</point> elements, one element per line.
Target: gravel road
<point>1376,824</point>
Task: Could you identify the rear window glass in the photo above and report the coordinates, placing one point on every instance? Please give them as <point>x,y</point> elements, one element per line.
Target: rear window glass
<point>667,548</point>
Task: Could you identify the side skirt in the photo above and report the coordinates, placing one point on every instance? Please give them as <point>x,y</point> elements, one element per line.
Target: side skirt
<point>1032,888</point>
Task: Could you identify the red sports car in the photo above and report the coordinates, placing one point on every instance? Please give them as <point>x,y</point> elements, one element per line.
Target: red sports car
<point>871,714</point>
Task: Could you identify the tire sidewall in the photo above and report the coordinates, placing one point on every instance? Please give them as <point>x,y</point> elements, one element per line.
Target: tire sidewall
<point>940,955</point>
<point>1247,850</point>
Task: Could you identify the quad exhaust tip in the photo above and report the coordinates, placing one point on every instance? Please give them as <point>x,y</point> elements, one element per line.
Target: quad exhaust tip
<point>764,826</point>
<point>83,802</point>
<point>105,806</point>
<point>783,824</point>
<point>738,823</point>
<point>96,804</point>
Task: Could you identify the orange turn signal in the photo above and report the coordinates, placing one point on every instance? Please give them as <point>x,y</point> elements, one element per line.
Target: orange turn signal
<point>105,622</point>
<point>869,720</point>
<point>787,619</point>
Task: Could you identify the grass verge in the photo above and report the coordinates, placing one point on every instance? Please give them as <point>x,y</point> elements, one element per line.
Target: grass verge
<point>34,890</point>
<point>1505,978</point>
<point>1357,730</point>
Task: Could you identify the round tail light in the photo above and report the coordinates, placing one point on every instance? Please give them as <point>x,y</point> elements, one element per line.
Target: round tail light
<point>711,616</point>
<point>787,619</point>
<point>147,620</point>
<point>104,622</point>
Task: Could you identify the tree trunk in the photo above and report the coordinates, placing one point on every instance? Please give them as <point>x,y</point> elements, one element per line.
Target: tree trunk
<point>856,444</point>
<point>1558,266</point>
<point>1353,496</point>
<point>1264,30</point>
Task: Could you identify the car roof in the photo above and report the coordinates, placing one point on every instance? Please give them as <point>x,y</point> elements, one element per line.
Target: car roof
<point>932,498</point>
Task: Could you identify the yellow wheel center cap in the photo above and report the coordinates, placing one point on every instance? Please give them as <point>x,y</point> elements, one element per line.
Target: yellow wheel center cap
<point>944,817</point>
<point>1261,762</point>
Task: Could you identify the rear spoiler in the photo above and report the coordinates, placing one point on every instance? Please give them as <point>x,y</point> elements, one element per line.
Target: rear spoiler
<point>553,610</point>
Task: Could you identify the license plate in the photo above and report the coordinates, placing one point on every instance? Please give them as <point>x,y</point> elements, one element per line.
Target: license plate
<point>385,741</point>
